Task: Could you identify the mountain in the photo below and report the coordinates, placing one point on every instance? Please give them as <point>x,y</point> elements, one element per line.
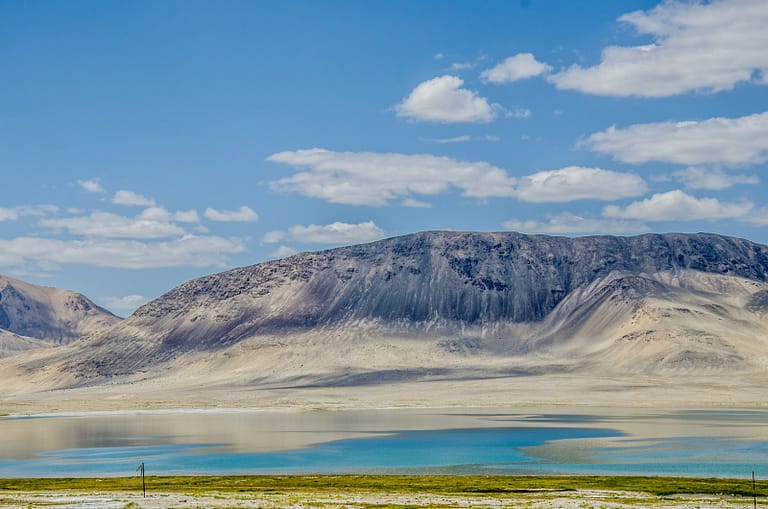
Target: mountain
<point>434,318</point>
<point>34,316</point>
<point>450,305</point>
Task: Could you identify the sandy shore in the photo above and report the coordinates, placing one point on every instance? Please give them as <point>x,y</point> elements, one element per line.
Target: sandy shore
<point>551,391</point>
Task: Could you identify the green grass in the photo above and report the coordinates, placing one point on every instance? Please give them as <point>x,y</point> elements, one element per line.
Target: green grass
<point>467,485</point>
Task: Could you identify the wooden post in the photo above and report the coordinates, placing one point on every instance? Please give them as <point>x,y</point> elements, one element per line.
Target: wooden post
<point>143,484</point>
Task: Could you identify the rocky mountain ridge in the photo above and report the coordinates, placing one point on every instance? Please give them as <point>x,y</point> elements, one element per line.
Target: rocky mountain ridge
<point>468,277</point>
<point>466,298</point>
<point>34,316</point>
<point>453,317</point>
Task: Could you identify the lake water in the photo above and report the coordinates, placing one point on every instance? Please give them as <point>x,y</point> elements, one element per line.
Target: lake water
<point>711,443</point>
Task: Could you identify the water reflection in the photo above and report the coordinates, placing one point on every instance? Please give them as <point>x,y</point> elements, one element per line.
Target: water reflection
<point>403,440</point>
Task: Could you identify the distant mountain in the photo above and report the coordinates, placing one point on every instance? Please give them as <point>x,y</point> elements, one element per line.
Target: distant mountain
<point>32,316</point>
<point>453,304</point>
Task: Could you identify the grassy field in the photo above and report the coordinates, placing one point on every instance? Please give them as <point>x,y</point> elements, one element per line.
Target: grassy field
<point>659,486</point>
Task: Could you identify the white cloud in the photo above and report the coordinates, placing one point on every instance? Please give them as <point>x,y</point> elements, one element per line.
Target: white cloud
<point>377,179</point>
<point>155,214</point>
<point>337,233</point>
<point>186,216</point>
<point>568,223</point>
<point>442,99</point>
<point>460,66</point>
<point>518,67</point>
<point>243,214</point>
<point>283,252</point>
<point>702,178</point>
<point>758,217</point>
<point>727,141</point>
<point>519,113</point>
<point>455,139</point>
<point>678,206</point>
<point>104,224</point>
<point>14,213</point>
<point>188,251</point>
<point>334,233</point>
<point>273,237</point>
<point>696,47</point>
<point>127,303</point>
<point>438,56</point>
<point>578,183</point>
<point>132,199</point>
<point>92,186</point>
<point>161,214</point>
<point>416,204</point>
<point>466,138</point>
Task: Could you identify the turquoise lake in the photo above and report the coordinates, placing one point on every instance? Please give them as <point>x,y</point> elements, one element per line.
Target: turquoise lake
<point>720,444</point>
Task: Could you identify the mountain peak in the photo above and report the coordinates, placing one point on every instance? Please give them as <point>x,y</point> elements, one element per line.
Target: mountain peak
<point>29,312</point>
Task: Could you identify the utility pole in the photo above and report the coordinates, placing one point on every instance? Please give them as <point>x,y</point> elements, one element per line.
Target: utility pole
<point>754,493</point>
<point>143,484</point>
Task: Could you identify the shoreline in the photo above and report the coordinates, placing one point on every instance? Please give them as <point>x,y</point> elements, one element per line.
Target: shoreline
<point>550,391</point>
<point>521,408</point>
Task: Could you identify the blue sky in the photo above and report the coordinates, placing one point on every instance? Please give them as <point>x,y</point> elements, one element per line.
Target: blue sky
<point>146,143</point>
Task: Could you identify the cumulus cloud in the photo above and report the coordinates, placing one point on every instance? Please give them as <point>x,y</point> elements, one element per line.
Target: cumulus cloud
<point>243,214</point>
<point>518,67</point>
<point>727,141</point>
<point>14,213</point>
<point>578,183</point>
<point>132,199</point>
<point>377,179</point>
<point>186,216</point>
<point>127,303</point>
<point>334,233</point>
<point>155,214</point>
<point>92,186</point>
<point>702,178</point>
<point>105,224</point>
<point>283,252</point>
<point>273,237</point>
<point>696,46</point>
<point>337,233</point>
<point>568,223</point>
<point>188,251</point>
<point>443,100</point>
<point>161,214</point>
<point>678,206</point>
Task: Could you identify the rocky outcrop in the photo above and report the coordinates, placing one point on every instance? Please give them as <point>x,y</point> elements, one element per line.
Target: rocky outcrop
<point>466,277</point>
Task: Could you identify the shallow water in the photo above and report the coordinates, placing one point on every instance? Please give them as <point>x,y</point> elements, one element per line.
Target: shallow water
<point>711,443</point>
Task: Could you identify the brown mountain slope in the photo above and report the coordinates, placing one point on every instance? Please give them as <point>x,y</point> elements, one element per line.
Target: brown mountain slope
<point>444,306</point>
<point>32,316</point>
